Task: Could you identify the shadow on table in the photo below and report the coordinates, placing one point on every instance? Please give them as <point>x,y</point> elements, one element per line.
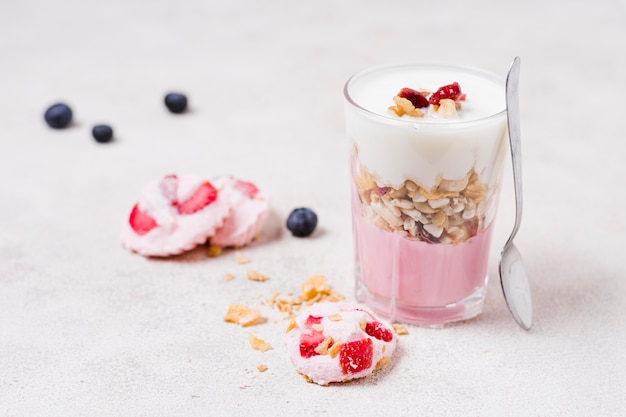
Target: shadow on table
<point>566,288</point>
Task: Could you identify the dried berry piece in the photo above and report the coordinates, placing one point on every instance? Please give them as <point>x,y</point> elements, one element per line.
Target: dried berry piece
<point>381,191</point>
<point>451,91</point>
<point>415,97</point>
<point>356,356</point>
<point>377,330</point>
<point>141,222</point>
<point>202,197</point>
<point>308,342</point>
<point>311,320</point>
<point>247,188</point>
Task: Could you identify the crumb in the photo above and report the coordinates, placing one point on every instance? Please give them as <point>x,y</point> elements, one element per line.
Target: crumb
<point>257,276</point>
<point>447,108</point>
<point>242,315</point>
<point>272,300</point>
<point>258,344</point>
<point>214,251</point>
<point>229,276</point>
<point>314,290</point>
<point>399,329</point>
<point>404,106</point>
<point>382,362</point>
<point>241,259</point>
<point>322,348</point>
<point>262,368</point>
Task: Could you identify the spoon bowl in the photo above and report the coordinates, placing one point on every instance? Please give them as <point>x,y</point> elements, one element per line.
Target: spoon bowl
<point>515,286</point>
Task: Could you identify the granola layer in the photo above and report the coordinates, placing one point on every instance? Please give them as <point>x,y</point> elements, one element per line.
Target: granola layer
<point>450,212</point>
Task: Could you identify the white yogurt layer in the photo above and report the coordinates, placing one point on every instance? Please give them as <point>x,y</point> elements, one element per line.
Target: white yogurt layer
<point>423,149</point>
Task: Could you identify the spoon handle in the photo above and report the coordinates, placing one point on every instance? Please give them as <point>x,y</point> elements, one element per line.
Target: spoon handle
<point>515,139</point>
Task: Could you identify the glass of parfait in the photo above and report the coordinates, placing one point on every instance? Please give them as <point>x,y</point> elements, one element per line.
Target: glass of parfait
<point>428,146</point>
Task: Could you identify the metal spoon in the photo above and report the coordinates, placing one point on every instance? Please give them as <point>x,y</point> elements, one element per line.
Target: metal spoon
<point>513,276</point>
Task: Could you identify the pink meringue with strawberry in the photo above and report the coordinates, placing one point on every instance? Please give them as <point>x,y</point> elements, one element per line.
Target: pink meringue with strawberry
<point>173,215</point>
<point>338,341</point>
<point>250,206</point>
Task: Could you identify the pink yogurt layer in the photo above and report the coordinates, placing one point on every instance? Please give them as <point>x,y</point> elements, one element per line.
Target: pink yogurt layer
<point>414,275</point>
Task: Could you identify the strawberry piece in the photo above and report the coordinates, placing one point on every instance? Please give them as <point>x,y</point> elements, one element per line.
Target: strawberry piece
<point>415,97</point>
<point>141,222</point>
<point>356,356</point>
<point>247,188</point>
<point>168,187</point>
<point>202,197</point>
<point>451,91</point>
<point>311,320</point>
<point>308,343</point>
<point>377,330</point>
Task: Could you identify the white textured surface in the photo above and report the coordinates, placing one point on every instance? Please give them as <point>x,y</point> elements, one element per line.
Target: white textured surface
<point>88,328</point>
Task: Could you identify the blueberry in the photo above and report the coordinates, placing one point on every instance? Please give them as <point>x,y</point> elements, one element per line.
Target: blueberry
<point>102,133</point>
<point>302,222</point>
<point>58,116</point>
<point>176,103</point>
